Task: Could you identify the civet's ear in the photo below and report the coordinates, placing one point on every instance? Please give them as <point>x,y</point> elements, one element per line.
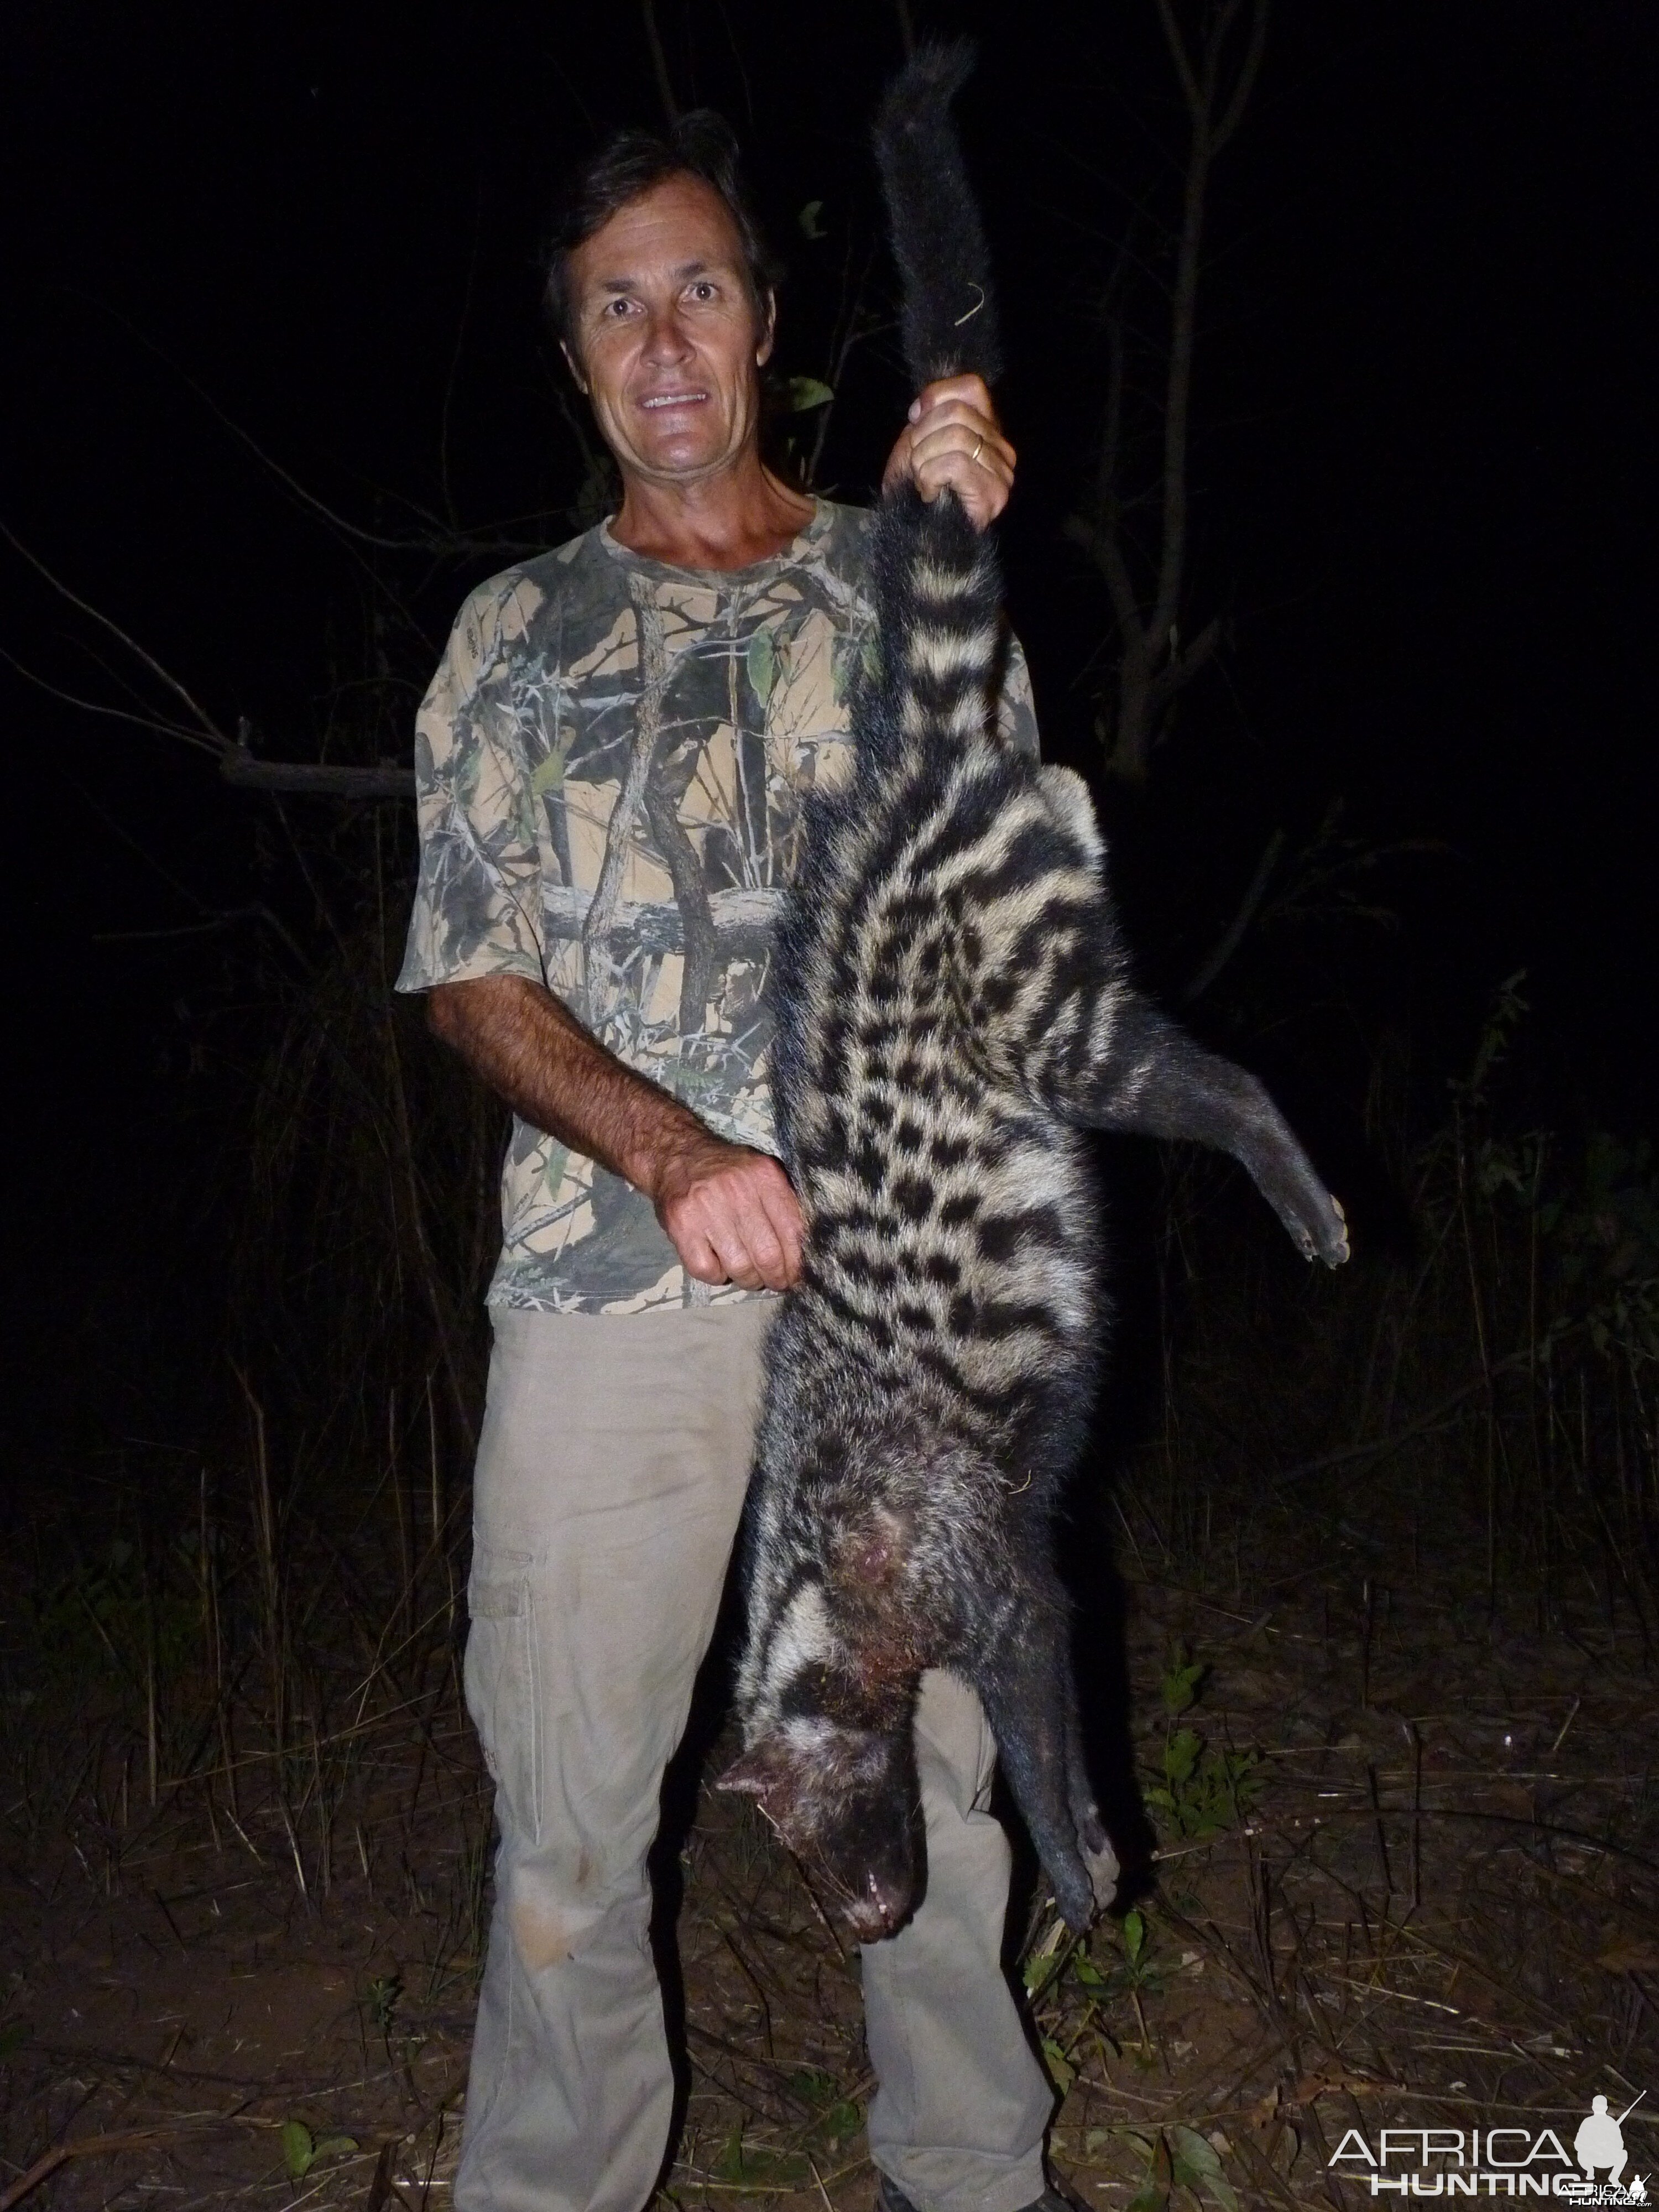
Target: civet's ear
<point>769,1771</point>
<point>872,1553</point>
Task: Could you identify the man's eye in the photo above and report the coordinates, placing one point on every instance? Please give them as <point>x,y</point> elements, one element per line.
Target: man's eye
<point>702,289</point>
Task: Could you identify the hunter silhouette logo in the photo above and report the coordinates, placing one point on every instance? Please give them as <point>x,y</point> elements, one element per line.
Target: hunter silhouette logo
<point>1499,2161</point>
<point>1599,2143</point>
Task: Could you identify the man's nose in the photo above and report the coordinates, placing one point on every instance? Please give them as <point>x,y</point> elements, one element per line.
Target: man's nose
<point>666,340</point>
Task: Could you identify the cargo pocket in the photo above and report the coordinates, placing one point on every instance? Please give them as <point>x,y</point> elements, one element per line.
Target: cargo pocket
<point>500,1686</point>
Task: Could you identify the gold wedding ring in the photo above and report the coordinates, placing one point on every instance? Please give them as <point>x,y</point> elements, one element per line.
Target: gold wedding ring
<point>977,451</point>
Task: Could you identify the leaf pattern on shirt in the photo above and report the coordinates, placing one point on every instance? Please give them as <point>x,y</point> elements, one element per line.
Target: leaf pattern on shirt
<point>611,762</point>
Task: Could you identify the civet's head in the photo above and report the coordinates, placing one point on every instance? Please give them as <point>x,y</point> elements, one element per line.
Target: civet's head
<point>846,1800</point>
<point>830,1693</point>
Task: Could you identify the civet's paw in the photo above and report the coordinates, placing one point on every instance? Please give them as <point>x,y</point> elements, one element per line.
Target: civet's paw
<point>1320,1230</point>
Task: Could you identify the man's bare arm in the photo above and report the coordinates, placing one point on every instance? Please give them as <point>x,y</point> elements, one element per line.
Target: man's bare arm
<point>729,1211</point>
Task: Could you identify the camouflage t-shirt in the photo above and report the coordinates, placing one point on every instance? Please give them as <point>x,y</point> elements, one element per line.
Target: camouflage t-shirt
<point>612,762</point>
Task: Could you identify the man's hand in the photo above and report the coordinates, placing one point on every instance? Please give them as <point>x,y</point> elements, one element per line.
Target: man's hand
<point>730,1214</point>
<point>952,438</point>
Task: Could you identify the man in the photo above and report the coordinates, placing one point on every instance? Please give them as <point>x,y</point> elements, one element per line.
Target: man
<point>612,760</point>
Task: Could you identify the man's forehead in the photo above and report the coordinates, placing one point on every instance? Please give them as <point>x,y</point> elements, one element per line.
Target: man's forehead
<point>681,228</point>
<point>681,273</point>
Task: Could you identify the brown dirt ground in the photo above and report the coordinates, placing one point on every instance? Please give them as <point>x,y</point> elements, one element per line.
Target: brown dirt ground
<point>1430,1901</point>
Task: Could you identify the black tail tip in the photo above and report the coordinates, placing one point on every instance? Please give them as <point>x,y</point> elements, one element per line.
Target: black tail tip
<point>949,314</point>
<point>925,88</point>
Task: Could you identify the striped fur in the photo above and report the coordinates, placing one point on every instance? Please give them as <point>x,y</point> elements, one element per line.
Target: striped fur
<point>955,1012</point>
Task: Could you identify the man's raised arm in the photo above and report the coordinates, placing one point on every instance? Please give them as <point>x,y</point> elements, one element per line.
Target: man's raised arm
<point>729,1211</point>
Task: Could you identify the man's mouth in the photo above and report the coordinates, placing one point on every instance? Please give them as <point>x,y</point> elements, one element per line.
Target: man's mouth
<point>658,400</point>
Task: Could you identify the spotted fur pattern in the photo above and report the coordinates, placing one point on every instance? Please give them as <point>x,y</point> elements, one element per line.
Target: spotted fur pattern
<point>955,1014</point>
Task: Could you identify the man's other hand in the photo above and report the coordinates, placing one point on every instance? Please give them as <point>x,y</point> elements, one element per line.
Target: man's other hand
<point>730,1214</point>
<point>952,437</point>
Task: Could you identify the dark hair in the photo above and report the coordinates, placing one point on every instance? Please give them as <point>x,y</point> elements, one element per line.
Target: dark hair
<point>633,162</point>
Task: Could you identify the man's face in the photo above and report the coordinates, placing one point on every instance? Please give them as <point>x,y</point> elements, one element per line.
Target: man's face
<point>666,336</point>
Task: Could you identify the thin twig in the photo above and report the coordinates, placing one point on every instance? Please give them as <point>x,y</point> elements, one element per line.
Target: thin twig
<point>128,2139</point>
<point>215,737</point>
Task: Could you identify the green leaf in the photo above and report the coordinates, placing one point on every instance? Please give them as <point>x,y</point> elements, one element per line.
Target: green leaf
<point>1154,2193</point>
<point>810,219</point>
<point>1181,1757</point>
<point>806,392</point>
<point>1182,1677</point>
<point>1134,1935</point>
<point>761,662</point>
<point>1179,1687</point>
<point>1196,2165</point>
<point>842,2122</point>
<point>1040,1959</point>
<point>336,2145</point>
<point>1089,1974</point>
<point>1060,2069</point>
<point>298,2149</point>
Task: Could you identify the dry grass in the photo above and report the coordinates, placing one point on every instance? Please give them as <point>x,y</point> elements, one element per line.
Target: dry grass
<point>1429,1900</point>
<point>1396,1540</point>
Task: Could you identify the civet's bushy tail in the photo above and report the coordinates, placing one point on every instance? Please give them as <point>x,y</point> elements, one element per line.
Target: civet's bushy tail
<point>950,313</point>
<point>954,1009</point>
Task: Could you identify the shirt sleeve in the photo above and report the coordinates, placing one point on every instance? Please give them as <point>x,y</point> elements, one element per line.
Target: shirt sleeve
<point>478,897</point>
<point>1016,708</point>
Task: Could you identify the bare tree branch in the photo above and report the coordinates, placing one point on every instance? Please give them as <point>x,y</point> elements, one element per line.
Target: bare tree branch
<point>179,730</point>
<point>1183,313</point>
<point>205,722</point>
<point>455,353</point>
<point>315,779</point>
<point>853,326</point>
<point>1247,77</point>
<point>1105,548</point>
<point>1184,662</point>
<point>659,63</point>
<point>234,755</point>
<point>1233,936</point>
<point>435,538</point>
<point>215,924</point>
<point>1151,667</point>
<point>1177,46</point>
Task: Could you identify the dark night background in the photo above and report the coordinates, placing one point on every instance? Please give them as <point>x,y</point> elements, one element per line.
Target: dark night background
<point>1423,460</point>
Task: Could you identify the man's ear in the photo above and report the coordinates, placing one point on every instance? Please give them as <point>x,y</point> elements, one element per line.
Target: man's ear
<point>768,331</point>
<point>574,366</point>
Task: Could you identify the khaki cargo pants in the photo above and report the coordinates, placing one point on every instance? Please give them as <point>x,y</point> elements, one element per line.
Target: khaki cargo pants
<point>609,1480</point>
